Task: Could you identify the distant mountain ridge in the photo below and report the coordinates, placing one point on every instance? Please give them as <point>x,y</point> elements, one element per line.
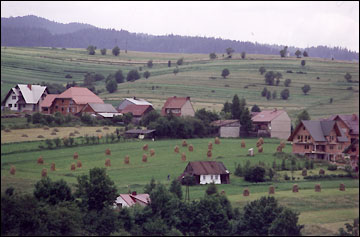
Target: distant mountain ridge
<point>33,31</point>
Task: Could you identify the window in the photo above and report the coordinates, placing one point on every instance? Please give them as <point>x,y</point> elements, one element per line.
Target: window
<point>10,105</point>
<point>56,107</point>
<point>15,105</point>
<point>203,177</point>
<point>303,127</point>
<point>339,147</point>
<point>306,147</point>
<point>62,101</point>
<point>45,109</point>
<point>211,177</point>
<point>331,147</point>
<point>62,108</point>
<point>216,177</point>
<point>13,97</point>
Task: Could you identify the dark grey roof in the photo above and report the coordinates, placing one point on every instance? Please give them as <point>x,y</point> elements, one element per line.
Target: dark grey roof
<point>319,129</point>
<point>208,167</point>
<point>103,108</point>
<point>326,127</point>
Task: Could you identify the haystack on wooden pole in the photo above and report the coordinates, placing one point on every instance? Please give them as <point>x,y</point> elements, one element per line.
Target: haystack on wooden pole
<point>183,157</point>
<point>317,188</point>
<point>342,187</point>
<point>152,152</point>
<point>127,159</point>
<point>52,168</point>
<point>191,147</point>
<point>246,192</point>
<point>40,160</point>
<point>279,149</point>
<point>44,172</point>
<point>271,190</point>
<point>217,140</point>
<point>78,164</point>
<point>144,158</point>
<point>76,155</point>
<point>260,149</point>
<point>12,170</point>
<point>107,151</point>
<point>295,188</point>
<point>176,149</point>
<point>145,147</point>
<point>184,143</point>
<point>243,145</point>
<point>73,166</point>
<point>210,146</point>
<point>304,172</point>
<point>321,172</point>
<point>260,142</point>
<point>209,154</point>
<point>107,162</point>
<point>282,144</point>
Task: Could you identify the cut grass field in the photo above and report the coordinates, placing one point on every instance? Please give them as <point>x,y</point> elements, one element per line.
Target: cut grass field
<point>137,174</point>
<point>199,77</point>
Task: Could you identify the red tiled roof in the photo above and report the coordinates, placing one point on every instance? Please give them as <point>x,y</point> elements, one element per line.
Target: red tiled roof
<point>174,103</point>
<point>142,199</point>
<point>81,95</point>
<point>136,110</point>
<point>266,115</point>
<point>48,100</point>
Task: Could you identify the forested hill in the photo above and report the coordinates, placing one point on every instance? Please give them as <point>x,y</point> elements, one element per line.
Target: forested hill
<point>33,31</point>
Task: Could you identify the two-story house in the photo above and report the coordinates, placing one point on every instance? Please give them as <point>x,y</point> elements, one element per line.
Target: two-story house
<point>178,106</point>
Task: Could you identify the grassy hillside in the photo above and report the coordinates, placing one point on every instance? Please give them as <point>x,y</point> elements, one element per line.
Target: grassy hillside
<point>199,77</point>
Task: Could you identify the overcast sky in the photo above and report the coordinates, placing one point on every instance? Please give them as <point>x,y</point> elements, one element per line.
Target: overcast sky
<point>299,24</point>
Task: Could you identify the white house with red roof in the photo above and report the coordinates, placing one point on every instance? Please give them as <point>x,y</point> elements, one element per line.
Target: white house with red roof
<point>178,106</point>
<point>23,98</point>
<point>128,200</point>
<point>272,123</point>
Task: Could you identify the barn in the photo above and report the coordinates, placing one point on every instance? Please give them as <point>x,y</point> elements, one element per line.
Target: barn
<point>227,128</point>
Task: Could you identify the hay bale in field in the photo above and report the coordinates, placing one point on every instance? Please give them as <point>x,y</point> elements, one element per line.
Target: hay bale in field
<point>40,160</point>
<point>53,133</point>
<point>24,135</point>
<point>321,172</point>
<point>52,168</point>
<point>77,126</point>
<point>183,157</point>
<point>260,142</point>
<point>317,188</point>
<point>44,172</point>
<point>279,148</point>
<point>246,192</point>
<point>7,130</point>
<point>152,152</point>
<point>76,155</point>
<point>107,151</point>
<point>222,192</point>
<point>76,132</point>
<point>71,134</point>
<point>46,128</point>
<point>98,130</point>
<point>73,166</point>
<point>145,147</point>
<point>78,164</point>
<point>184,143</point>
<point>342,187</point>
<point>209,154</point>
<point>40,136</point>
<point>191,147</point>
<point>295,188</point>
<point>106,128</point>
<point>127,159</point>
<point>144,158</point>
<point>217,140</point>
<point>243,145</point>
<point>12,170</point>
<point>271,190</point>
<point>210,146</point>
<point>56,130</point>
<point>282,144</point>
<point>260,149</point>
<point>176,149</point>
<point>107,162</point>
<point>304,172</point>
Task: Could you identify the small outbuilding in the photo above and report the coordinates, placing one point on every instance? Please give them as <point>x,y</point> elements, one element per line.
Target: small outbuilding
<point>128,200</point>
<point>228,128</point>
<point>140,133</point>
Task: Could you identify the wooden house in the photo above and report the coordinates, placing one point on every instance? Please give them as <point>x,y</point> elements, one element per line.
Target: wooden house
<point>137,111</point>
<point>227,128</point>
<point>178,106</point>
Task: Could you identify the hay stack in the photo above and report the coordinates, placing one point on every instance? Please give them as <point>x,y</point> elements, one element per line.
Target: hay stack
<point>271,190</point>
<point>73,167</point>
<point>76,155</point>
<point>282,144</point>
<point>46,128</point>
<point>24,135</point>
<point>295,188</point>
<point>260,149</point>
<point>243,145</point>
<point>342,187</point>
<point>40,160</point>
<point>317,188</point>
<point>184,143</point>
<point>260,142</point>
<point>191,147</point>
<point>217,140</point>
<point>76,132</point>
<point>52,168</point>
<point>145,147</point>
<point>44,172</point>
<point>176,149</point>
<point>144,158</point>
<point>12,170</point>
<point>78,164</point>
<point>279,148</point>
<point>152,152</point>
<point>222,192</point>
<point>107,151</point>
<point>107,162</point>
<point>53,133</point>
<point>209,154</point>
<point>304,172</point>
<point>210,146</point>
<point>183,157</point>
<point>7,130</point>
<point>127,159</point>
<point>71,134</point>
<point>55,130</point>
<point>246,192</point>
<point>321,172</point>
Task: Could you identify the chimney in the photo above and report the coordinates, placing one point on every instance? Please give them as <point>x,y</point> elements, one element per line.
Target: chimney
<point>134,97</point>
<point>134,193</point>
<point>29,86</point>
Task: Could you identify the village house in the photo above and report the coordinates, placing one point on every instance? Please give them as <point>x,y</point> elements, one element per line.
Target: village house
<point>272,123</point>
<point>132,101</point>
<point>25,98</point>
<point>128,200</point>
<point>319,139</point>
<point>100,110</point>
<point>227,128</point>
<point>206,172</point>
<point>178,106</point>
<point>137,111</point>
<point>73,100</point>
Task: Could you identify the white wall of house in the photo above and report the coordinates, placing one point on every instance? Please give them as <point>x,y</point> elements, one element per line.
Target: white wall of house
<point>11,101</point>
<point>187,109</point>
<point>122,202</point>
<point>281,126</point>
<point>210,178</point>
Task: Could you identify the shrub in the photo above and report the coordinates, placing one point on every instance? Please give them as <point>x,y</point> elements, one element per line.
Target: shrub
<point>254,174</point>
<point>57,141</point>
<point>49,143</point>
<point>332,167</point>
<point>286,177</point>
<point>321,172</point>
<point>238,171</point>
